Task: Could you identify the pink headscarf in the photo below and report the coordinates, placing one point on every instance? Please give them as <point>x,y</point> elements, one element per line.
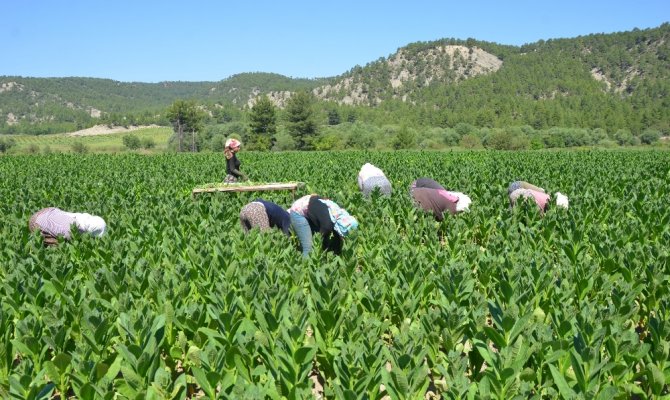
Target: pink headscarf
<point>447,195</point>
<point>230,143</point>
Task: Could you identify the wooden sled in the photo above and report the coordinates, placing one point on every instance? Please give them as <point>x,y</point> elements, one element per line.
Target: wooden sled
<point>236,187</point>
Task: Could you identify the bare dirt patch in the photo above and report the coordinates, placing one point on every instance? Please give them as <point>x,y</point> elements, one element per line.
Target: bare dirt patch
<point>106,130</point>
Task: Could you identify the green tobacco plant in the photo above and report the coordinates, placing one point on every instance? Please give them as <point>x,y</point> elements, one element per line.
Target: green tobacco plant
<point>176,301</point>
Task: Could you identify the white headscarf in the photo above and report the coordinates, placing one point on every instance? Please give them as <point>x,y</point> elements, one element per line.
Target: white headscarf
<point>368,171</point>
<point>92,224</point>
<point>562,200</point>
<point>463,203</point>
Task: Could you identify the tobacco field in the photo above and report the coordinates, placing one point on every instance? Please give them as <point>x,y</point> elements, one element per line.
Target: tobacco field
<point>175,302</point>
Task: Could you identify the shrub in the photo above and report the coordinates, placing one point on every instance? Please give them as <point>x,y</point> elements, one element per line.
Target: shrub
<point>148,143</point>
<point>329,141</point>
<point>499,140</point>
<point>6,144</point>
<point>404,139</point>
<point>283,141</point>
<point>624,137</point>
<point>132,142</point>
<point>470,141</point>
<point>79,147</point>
<point>650,136</point>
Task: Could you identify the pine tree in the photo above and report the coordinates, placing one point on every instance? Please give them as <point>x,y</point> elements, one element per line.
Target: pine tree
<point>263,124</point>
<point>300,120</point>
<point>185,117</point>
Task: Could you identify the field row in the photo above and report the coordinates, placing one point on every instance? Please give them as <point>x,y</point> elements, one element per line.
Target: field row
<point>176,302</point>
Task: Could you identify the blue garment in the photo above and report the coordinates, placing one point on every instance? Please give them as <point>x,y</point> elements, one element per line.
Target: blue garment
<point>302,231</point>
<point>278,217</point>
<point>343,222</point>
<point>513,186</point>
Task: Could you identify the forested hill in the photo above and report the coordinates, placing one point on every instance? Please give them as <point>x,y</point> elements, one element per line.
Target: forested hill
<point>47,105</point>
<point>610,81</point>
<point>618,80</point>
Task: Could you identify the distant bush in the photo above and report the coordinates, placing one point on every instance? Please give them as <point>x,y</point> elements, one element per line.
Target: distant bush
<point>499,140</point>
<point>607,143</point>
<point>79,147</point>
<point>132,142</point>
<point>650,136</point>
<point>450,137</point>
<point>6,144</point>
<point>148,143</point>
<point>283,141</point>
<point>624,137</point>
<point>329,141</point>
<point>470,141</point>
<point>404,139</point>
<point>217,143</point>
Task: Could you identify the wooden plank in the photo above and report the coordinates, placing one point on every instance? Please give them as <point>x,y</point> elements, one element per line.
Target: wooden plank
<point>250,188</point>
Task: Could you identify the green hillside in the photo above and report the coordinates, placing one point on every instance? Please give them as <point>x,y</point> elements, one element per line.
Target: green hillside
<point>606,81</point>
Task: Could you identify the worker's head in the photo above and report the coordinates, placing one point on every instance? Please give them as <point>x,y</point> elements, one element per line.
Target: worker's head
<point>463,203</point>
<point>233,145</point>
<point>562,200</point>
<point>92,224</point>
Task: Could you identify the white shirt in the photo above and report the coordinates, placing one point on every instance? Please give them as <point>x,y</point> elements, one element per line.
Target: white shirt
<point>368,171</point>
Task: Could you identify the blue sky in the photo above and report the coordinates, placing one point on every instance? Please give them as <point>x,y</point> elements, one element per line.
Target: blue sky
<point>154,41</point>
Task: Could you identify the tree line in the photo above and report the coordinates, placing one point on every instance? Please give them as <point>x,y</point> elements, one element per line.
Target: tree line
<point>305,125</point>
<point>546,87</point>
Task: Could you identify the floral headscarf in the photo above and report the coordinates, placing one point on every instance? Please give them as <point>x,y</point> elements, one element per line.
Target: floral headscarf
<point>230,144</point>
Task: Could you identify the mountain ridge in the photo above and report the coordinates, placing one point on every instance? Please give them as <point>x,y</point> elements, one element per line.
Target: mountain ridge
<point>439,74</point>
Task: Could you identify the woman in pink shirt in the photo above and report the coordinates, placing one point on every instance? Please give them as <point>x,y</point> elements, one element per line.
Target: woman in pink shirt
<point>53,222</point>
<point>540,198</point>
<point>433,197</point>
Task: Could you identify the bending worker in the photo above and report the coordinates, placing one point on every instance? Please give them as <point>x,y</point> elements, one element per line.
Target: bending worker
<point>371,178</point>
<point>433,197</point>
<point>521,189</point>
<point>53,222</point>
<point>311,214</point>
<point>264,215</point>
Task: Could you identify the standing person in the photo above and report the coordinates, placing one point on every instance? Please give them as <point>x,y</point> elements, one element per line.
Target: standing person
<point>53,222</point>
<point>232,163</point>
<point>264,215</point>
<point>311,214</point>
<point>371,177</point>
